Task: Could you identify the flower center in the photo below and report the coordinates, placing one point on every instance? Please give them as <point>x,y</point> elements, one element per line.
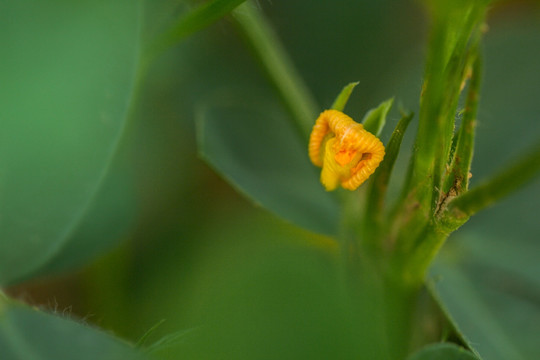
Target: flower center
<point>344,156</point>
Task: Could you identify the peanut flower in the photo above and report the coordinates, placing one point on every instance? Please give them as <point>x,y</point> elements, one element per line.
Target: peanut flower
<point>347,153</point>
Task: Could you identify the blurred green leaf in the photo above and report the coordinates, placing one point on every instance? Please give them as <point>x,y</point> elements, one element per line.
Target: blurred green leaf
<point>68,73</point>
<point>108,218</point>
<point>442,352</point>
<point>260,155</point>
<point>375,119</point>
<point>343,97</point>
<point>517,258</point>
<point>276,62</point>
<point>193,21</point>
<point>30,334</point>
<point>159,15</point>
<point>490,297</point>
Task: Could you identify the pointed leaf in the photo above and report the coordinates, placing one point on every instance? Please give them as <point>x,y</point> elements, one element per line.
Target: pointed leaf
<point>375,119</point>
<point>343,97</point>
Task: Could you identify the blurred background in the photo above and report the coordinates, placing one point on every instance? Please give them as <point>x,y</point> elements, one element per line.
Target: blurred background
<point>182,246</point>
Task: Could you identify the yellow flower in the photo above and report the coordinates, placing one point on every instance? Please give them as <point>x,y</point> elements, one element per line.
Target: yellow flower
<point>347,153</point>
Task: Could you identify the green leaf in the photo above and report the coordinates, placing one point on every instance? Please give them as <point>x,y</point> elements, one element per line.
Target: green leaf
<point>375,119</point>
<point>260,155</point>
<point>489,289</point>
<point>195,20</point>
<point>343,97</point>
<point>516,259</point>
<point>108,218</point>
<point>68,73</point>
<point>29,334</point>
<point>442,351</point>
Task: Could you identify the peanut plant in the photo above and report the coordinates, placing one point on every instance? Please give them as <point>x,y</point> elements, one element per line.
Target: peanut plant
<point>358,281</point>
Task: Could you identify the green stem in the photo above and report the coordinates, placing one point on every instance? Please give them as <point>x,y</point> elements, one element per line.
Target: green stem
<point>383,301</point>
<point>457,180</point>
<point>374,214</point>
<point>416,265</point>
<point>456,31</point>
<point>400,303</point>
<point>501,185</point>
<point>279,67</point>
<point>462,207</point>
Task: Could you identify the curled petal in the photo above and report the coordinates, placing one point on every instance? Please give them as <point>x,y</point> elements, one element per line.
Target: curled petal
<point>347,153</point>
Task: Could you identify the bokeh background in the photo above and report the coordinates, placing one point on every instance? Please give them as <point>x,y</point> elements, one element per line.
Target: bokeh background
<point>182,245</point>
